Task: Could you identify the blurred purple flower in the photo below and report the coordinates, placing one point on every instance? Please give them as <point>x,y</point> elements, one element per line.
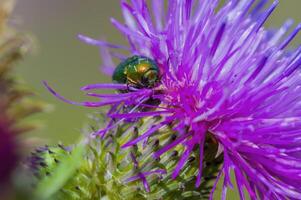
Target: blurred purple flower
<point>224,75</point>
<point>9,155</point>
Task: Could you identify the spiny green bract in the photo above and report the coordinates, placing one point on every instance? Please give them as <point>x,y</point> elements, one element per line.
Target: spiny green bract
<point>105,167</point>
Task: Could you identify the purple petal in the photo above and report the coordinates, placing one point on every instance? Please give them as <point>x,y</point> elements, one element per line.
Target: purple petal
<point>94,42</point>
<point>182,161</point>
<point>144,135</point>
<point>61,97</point>
<point>171,145</point>
<point>140,114</point>
<point>105,86</point>
<point>290,37</point>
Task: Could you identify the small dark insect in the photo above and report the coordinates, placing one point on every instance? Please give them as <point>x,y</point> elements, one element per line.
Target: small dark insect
<point>137,71</point>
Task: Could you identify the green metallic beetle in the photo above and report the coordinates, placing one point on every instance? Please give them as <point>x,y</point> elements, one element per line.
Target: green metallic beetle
<point>137,71</point>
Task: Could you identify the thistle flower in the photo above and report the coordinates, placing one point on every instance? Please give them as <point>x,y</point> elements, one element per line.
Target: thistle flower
<point>223,76</point>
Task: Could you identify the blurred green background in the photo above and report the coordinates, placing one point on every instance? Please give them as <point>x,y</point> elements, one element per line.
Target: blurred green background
<point>67,64</point>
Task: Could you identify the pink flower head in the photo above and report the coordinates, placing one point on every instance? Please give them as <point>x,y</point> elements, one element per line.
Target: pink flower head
<point>222,74</point>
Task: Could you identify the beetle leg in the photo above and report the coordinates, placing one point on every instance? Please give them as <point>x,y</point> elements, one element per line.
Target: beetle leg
<point>128,86</point>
